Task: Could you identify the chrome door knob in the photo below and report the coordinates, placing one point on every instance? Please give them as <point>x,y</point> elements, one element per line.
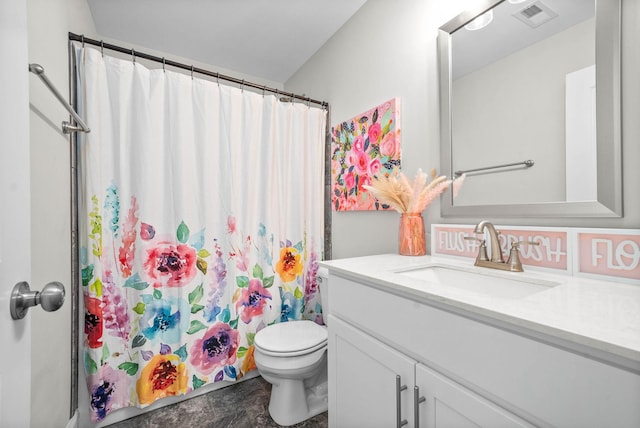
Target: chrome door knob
<point>50,298</point>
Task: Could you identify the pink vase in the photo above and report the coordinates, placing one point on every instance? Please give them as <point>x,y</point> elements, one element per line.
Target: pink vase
<point>412,240</point>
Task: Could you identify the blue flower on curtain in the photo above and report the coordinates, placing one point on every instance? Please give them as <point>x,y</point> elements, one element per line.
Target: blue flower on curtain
<point>164,320</point>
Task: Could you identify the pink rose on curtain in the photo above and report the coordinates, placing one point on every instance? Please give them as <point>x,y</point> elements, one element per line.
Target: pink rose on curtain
<point>171,265</point>
<point>217,348</point>
<point>252,300</point>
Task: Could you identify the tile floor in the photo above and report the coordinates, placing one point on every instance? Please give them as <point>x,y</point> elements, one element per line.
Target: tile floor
<point>244,405</point>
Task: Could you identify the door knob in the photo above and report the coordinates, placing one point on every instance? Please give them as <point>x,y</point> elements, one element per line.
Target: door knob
<point>50,298</point>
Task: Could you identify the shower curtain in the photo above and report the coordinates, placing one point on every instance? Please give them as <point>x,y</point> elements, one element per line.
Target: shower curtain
<point>201,222</point>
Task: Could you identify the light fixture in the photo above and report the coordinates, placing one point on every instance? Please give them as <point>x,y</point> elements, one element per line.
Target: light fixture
<point>517,1</point>
<point>480,22</point>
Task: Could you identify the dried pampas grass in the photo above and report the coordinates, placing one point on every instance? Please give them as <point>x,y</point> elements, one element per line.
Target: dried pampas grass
<point>405,196</point>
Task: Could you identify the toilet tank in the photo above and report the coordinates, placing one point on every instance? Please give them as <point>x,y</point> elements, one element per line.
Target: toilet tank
<point>323,284</point>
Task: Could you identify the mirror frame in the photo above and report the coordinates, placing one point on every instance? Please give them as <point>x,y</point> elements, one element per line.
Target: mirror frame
<point>608,116</point>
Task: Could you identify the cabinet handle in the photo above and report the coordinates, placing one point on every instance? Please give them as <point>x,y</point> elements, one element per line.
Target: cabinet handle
<point>417,400</point>
<point>399,388</point>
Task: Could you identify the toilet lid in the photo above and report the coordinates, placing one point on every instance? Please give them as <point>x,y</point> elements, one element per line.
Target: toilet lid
<point>291,336</point>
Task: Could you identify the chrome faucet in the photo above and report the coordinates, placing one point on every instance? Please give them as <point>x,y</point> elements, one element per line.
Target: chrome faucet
<point>496,250</point>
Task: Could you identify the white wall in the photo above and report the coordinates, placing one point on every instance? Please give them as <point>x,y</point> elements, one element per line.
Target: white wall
<point>49,21</point>
<point>389,49</point>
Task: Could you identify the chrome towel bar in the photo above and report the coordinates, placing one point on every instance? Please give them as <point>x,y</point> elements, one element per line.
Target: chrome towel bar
<point>67,128</point>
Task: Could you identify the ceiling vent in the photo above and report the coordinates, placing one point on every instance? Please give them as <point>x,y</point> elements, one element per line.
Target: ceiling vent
<point>535,14</point>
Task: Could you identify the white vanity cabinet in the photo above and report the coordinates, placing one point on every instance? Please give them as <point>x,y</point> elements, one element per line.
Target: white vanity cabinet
<point>373,385</point>
<point>450,405</point>
<point>367,377</point>
<point>471,372</point>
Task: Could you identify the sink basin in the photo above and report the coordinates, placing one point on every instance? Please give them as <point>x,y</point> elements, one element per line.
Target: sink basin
<point>506,285</point>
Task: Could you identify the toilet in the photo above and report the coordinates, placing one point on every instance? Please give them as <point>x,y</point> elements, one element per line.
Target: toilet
<point>292,357</point>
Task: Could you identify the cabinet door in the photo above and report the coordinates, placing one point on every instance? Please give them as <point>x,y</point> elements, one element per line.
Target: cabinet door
<point>451,405</point>
<point>362,380</point>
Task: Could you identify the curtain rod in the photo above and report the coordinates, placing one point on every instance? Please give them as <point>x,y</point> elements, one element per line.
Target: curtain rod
<point>191,68</point>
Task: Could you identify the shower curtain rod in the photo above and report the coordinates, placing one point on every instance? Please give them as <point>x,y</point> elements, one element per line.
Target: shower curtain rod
<point>191,68</point>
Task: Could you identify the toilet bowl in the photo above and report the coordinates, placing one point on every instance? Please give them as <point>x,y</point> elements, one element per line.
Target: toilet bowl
<point>292,357</point>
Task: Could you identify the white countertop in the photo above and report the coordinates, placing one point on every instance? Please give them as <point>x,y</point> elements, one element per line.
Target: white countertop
<point>596,315</point>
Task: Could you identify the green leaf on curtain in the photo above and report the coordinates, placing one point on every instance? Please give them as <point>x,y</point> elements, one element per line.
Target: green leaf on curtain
<point>105,354</point>
<point>87,274</point>
<point>250,338</point>
<point>203,253</point>
<point>139,308</point>
<point>96,287</point>
<point>89,365</point>
<point>242,351</point>
<point>195,327</point>
<point>257,272</point>
<point>267,282</point>
<point>234,323</point>
<point>129,367</point>
<point>197,383</point>
<point>298,247</point>
<point>201,265</point>
<point>196,308</point>
<point>182,352</point>
<point>135,282</point>
<point>224,315</point>
<point>157,294</point>
<point>298,293</point>
<point>182,233</point>
<point>242,281</point>
<point>137,341</point>
<point>196,295</point>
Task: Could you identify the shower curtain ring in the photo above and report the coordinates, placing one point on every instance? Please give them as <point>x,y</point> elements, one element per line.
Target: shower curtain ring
<point>82,40</point>
<point>133,56</point>
<point>192,72</point>
<point>102,48</point>
<point>264,90</point>
<point>163,69</point>
<point>242,86</point>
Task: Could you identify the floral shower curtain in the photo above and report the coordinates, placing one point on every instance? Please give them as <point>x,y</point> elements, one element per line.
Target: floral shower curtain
<point>201,222</point>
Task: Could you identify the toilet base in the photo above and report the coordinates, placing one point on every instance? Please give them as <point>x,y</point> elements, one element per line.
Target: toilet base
<point>291,402</point>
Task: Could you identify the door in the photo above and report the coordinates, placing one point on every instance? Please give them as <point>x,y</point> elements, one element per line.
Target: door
<point>362,380</point>
<point>15,260</point>
<point>451,405</point>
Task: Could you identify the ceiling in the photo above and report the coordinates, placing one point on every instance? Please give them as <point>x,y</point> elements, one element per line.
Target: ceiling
<point>269,39</point>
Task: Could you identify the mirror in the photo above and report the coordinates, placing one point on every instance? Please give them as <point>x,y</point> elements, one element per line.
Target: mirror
<point>535,92</point>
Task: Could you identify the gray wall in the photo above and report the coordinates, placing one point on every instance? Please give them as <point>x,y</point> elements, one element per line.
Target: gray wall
<point>389,49</point>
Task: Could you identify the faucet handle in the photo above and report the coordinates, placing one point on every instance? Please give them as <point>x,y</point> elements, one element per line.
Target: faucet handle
<point>514,255</point>
<point>482,251</point>
<point>518,243</point>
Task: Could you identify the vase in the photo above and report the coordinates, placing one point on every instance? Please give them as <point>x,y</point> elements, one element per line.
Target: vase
<point>412,240</point>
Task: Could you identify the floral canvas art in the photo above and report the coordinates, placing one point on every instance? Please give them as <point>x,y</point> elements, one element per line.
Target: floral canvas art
<point>362,148</point>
